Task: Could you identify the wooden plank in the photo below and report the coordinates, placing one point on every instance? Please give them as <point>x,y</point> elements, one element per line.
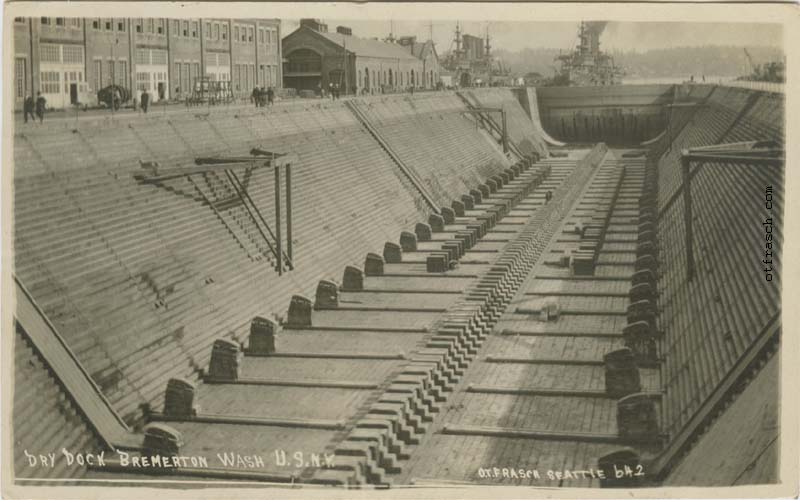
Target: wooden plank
<point>533,391</point>
<point>333,384</point>
<point>76,382</point>
<point>509,432</point>
<point>209,418</point>
<point>533,361</point>
<point>329,355</point>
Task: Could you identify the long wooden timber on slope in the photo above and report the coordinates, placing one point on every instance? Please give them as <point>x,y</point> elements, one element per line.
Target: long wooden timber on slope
<point>376,408</point>
<point>46,340</point>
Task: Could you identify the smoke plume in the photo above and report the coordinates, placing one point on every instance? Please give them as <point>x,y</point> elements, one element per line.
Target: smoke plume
<point>596,27</point>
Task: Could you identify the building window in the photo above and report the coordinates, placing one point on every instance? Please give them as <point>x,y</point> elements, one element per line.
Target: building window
<point>216,31</point>
<point>49,52</point>
<point>121,25</point>
<point>60,21</point>
<point>143,81</point>
<point>249,34</point>
<point>224,31</point>
<point>50,82</point>
<point>19,20</point>
<point>304,61</point>
<point>98,75</point>
<point>195,29</point>
<point>207,31</point>
<point>160,27</point>
<point>261,37</point>
<point>176,77</point>
<point>142,56</point>
<point>139,27</point>
<point>108,25</point>
<point>158,57</point>
<point>194,72</point>
<point>45,20</point>
<point>236,33</point>
<point>20,77</point>
<point>186,28</point>
<point>176,28</point>
<point>112,77</point>
<point>122,73</point>
<point>151,25</point>
<point>73,54</point>
<point>185,76</point>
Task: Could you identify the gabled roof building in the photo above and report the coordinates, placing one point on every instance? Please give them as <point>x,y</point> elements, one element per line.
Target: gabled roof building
<point>315,59</point>
<point>426,52</point>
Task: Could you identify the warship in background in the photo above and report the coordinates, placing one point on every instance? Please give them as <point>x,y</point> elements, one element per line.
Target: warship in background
<point>471,63</point>
<point>586,65</point>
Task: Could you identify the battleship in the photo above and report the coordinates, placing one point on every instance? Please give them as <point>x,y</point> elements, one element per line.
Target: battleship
<point>587,64</point>
<point>553,287</point>
<point>472,63</point>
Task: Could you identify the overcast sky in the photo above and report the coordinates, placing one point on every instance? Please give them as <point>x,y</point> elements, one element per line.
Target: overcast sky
<point>514,36</point>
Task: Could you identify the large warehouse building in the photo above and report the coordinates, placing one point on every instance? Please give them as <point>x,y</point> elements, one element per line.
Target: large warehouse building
<point>70,59</point>
<point>316,59</point>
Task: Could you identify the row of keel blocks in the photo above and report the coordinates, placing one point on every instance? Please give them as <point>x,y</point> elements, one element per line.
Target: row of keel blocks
<point>640,333</point>
<point>402,414</point>
<point>637,418</point>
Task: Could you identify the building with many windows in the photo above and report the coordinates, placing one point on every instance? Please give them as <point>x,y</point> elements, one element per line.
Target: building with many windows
<point>70,59</point>
<point>315,58</point>
<point>426,52</point>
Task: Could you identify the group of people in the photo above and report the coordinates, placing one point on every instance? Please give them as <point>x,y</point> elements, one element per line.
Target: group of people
<point>261,97</point>
<point>333,91</point>
<point>38,106</point>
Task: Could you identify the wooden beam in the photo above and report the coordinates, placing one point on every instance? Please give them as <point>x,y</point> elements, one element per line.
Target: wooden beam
<point>533,391</point>
<point>75,381</point>
<point>210,418</point>
<point>542,361</point>
<point>163,174</point>
<point>322,384</point>
<point>509,432</point>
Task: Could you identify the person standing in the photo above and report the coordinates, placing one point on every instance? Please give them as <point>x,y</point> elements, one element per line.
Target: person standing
<point>270,96</point>
<point>27,108</point>
<point>41,103</point>
<point>145,101</point>
<point>117,99</point>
